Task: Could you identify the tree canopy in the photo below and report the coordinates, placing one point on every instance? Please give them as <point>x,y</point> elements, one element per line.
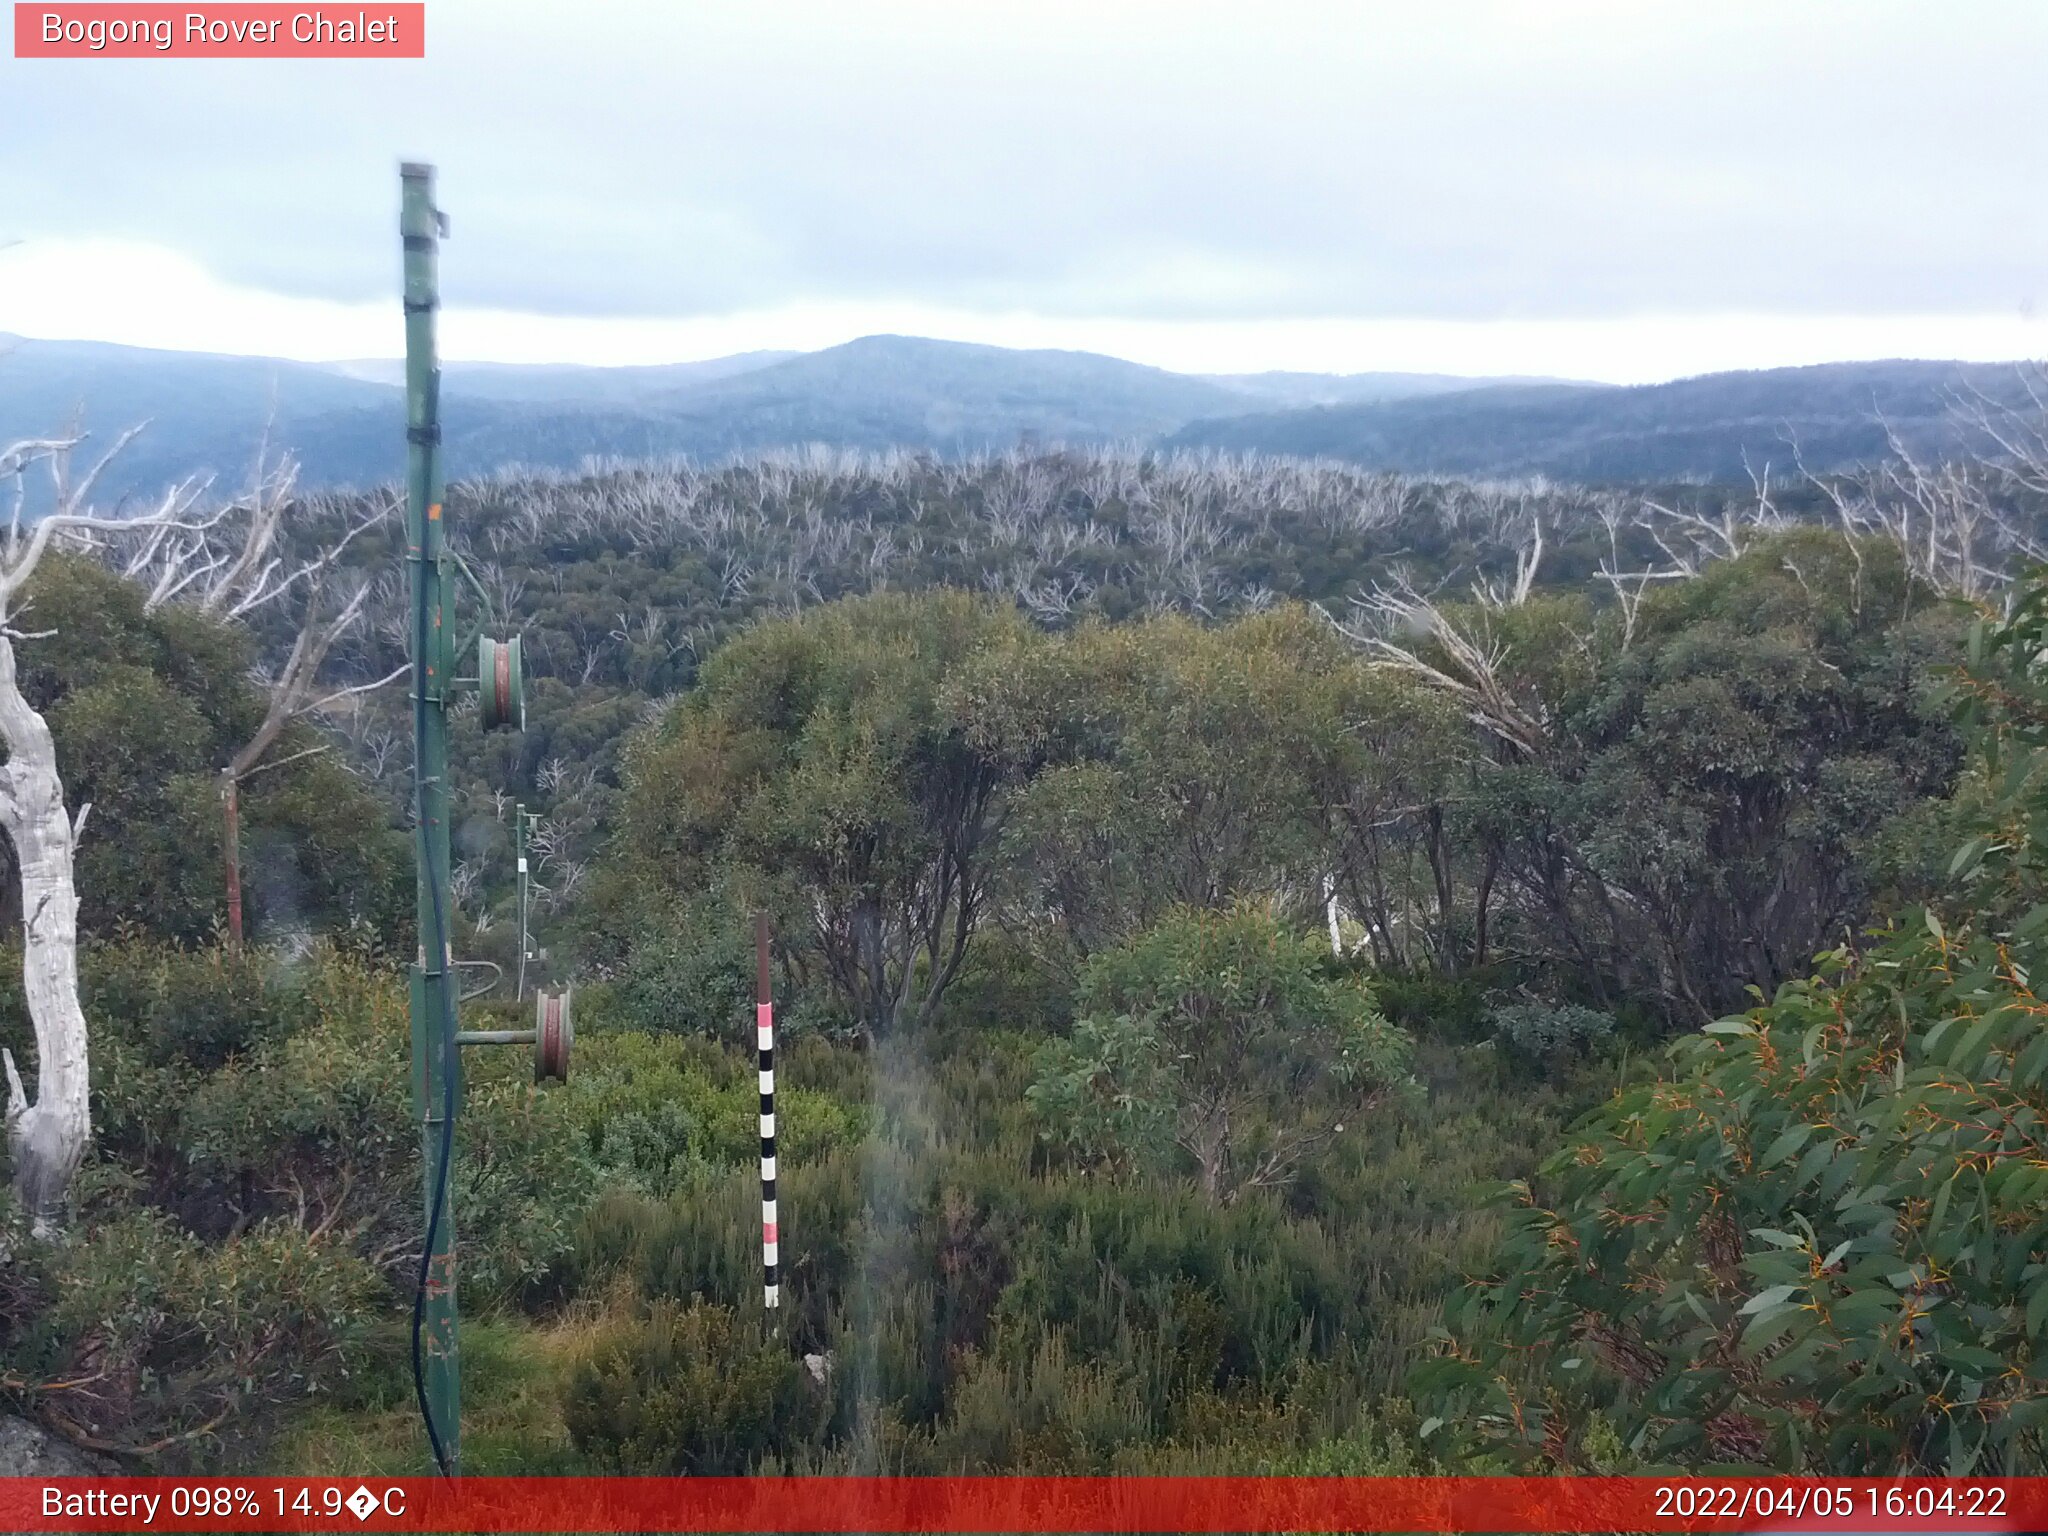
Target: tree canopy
<point>831,765</point>
<point>1817,1239</point>
<point>146,707</point>
<point>1222,1039</point>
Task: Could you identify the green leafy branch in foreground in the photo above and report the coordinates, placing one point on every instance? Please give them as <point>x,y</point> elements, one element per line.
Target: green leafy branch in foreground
<point>1821,1239</point>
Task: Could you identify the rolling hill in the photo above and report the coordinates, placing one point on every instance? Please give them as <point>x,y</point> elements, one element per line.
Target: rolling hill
<point>1285,390</point>
<point>207,413</point>
<point>567,383</point>
<point>1708,428</point>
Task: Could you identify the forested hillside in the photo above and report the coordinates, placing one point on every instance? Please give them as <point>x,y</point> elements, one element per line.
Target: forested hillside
<point>1200,886</point>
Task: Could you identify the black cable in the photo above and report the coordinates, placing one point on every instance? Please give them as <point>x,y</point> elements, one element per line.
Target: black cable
<point>419,1295</point>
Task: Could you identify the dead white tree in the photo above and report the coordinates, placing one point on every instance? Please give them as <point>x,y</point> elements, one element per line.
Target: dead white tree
<point>1406,632</point>
<point>1630,586</point>
<point>2016,430</point>
<point>1528,557</point>
<point>47,1136</point>
<point>1958,522</point>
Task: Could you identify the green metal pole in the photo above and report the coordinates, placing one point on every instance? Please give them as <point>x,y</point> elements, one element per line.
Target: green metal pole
<point>436,1086</point>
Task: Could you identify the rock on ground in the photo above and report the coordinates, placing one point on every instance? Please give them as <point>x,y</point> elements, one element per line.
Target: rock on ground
<point>29,1451</point>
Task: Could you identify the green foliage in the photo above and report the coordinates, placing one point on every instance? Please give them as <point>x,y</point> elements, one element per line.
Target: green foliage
<point>310,1123</point>
<point>1133,1325</point>
<point>141,1336</point>
<point>1219,1038</point>
<point>1196,765</point>
<point>1706,800</point>
<point>1055,1411</point>
<point>175,1006</point>
<point>830,766</point>
<point>690,1390</point>
<point>1058,899</point>
<point>1705,804</point>
<point>304,1115</point>
<point>1818,1243</point>
<point>1545,1038</point>
<point>1433,1005</point>
<point>687,970</point>
<point>1719,787</point>
<point>1384,1444</point>
<point>645,1108</point>
<point>972,1314</point>
<point>146,708</point>
<point>624,582</point>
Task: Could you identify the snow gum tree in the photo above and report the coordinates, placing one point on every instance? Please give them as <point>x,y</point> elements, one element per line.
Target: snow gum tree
<point>47,1135</point>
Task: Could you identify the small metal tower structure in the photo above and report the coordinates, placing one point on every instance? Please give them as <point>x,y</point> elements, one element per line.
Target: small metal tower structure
<point>433,568</point>
<point>437,1366</point>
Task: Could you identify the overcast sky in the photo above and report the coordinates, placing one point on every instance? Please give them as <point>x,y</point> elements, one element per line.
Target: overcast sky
<point>1596,190</point>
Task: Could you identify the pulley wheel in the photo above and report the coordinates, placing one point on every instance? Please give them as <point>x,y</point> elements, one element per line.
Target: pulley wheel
<point>500,684</point>
<point>552,1036</point>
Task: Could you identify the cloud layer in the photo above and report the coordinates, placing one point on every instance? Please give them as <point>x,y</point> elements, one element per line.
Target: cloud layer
<point>1453,163</point>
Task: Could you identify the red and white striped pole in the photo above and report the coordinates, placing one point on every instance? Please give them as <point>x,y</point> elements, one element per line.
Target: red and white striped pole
<point>764,1033</point>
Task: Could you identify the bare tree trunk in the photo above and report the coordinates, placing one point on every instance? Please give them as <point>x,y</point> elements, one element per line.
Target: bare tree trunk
<point>47,1138</point>
<point>1440,867</point>
<point>877,1004</point>
<point>231,836</point>
<point>1208,1142</point>
<point>1481,902</point>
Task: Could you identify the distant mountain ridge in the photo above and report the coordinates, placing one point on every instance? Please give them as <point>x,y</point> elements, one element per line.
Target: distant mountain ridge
<point>1717,426</point>
<point>564,382</point>
<point>208,412</point>
<point>1287,389</point>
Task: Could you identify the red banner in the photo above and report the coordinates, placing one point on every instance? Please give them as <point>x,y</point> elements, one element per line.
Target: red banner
<point>1022,1504</point>
<point>212,31</point>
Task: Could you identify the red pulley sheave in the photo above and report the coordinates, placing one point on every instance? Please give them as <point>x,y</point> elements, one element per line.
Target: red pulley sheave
<point>553,1033</point>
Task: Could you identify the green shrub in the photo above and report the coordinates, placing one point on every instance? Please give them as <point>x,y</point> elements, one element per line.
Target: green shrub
<point>1548,1038</point>
<point>1816,1243</point>
<point>690,1389</point>
<point>166,1006</point>
<point>195,1007</point>
<point>689,972</point>
<point>144,1336</point>
<point>1006,985</point>
<point>947,1281</point>
<point>1813,1246</point>
<point>146,706</point>
<point>1431,1005</point>
<point>1381,1442</point>
<point>1217,1041</point>
<point>311,1122</point>
<point>1053,1412</point>
<point>646,1106</point>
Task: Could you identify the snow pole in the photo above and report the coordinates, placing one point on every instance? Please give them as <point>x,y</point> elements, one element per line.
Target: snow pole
<point>764,1039</point>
